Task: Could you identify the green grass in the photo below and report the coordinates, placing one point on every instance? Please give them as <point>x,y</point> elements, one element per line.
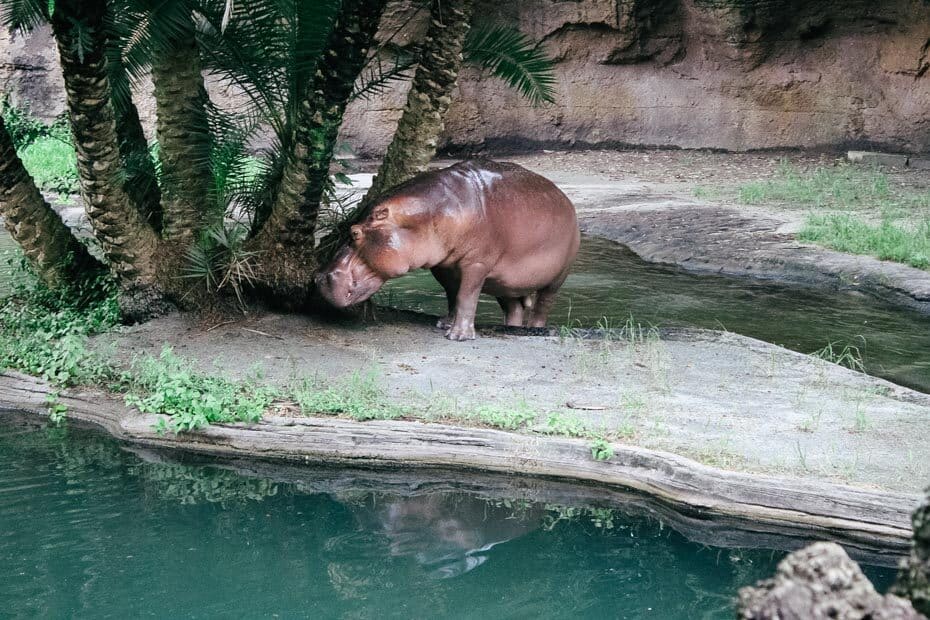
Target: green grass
<point>840,186</point>
<point>886,240</point>
<point>902,233</point>
<point>52,164</point>
<point>359,397</point>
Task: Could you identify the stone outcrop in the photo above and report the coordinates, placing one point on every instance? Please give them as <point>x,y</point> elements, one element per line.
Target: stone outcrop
<point>820,582</point>
<point>914,580</point>
<point>728,74</point>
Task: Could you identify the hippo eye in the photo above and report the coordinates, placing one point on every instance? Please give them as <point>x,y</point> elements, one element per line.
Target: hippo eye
<point>380,214</point>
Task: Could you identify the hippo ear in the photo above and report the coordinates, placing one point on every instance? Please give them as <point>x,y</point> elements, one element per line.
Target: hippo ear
<point>356,232</point>
<point>381,213</point>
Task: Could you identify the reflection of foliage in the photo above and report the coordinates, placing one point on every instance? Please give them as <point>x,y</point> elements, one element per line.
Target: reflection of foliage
<point>603,518</point>
<point>191,485</point>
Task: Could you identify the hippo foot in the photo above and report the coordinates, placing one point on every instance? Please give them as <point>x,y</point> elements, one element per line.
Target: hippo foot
<point>461,333</point>
<point>444,323</point>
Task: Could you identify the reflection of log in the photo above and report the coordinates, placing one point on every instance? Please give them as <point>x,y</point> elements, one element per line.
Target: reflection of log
<point>874,523</point>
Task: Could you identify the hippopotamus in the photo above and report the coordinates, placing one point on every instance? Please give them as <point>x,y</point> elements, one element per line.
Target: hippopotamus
<point>480,226</point>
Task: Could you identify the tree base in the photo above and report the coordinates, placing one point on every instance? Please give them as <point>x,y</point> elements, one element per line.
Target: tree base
<point>143,303</point>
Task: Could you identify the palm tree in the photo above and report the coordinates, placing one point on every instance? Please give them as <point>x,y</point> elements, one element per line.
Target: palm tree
<point>299,64</point>
<point>54,253</point>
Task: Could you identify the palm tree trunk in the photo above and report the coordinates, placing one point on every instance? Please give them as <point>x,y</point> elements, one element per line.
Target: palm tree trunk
<point>420,125</point>
<point>56,255</point>
<point>286,240</point>
<point>130,244</point>
<point>141,181</point>
<point>414,142</point>
<point>183,134</point>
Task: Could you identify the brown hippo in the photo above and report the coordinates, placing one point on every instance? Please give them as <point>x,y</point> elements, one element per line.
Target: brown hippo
<point>479,226</point>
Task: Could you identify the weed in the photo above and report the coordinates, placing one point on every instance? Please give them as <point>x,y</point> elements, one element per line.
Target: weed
<point>359,396</point>
<point>45,332</point>
<point>566,424</point>
<point>861,421</point>
<point>601,450</point>
<point>849,356</point>
<point>168,385</point>
<point>504,417</point>
<point>56,409</point>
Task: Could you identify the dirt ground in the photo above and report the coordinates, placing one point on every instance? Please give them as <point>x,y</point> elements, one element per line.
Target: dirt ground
<point>723,399</point>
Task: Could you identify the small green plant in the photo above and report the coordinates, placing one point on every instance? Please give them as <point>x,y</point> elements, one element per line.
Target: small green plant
<point>601,450</point>
<point>45,332</point>
<point>168,385</point>
<point>359,396</point>
<point>505,417</point>
<point>849,356</point>
<point>219,260</point>
<point>56,409</point>
<point>560,423</point>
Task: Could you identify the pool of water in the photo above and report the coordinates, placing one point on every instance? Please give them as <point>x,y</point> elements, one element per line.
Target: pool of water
<point>609,284</point>
<point>88,529</point>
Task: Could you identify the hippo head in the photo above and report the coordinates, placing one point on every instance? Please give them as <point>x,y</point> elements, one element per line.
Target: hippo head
<point>376,253</point>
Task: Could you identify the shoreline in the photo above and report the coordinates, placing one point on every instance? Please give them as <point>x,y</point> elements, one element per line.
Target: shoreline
<point>875,524</point>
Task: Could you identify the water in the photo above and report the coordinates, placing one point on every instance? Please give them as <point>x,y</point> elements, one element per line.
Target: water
<point>90,530</point>
<point>608,284</point>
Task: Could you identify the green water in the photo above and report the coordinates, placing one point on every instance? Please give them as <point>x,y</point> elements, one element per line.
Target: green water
<point>90,530</point>
<point>609,281</point>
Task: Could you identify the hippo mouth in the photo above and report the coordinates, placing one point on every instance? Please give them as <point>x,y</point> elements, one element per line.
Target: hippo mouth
<point>348,281</point>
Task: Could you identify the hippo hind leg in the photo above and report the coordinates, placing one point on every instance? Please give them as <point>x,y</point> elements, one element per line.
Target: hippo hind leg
<point>545,297</point>
<point>449,281</point>
<point>513,310</point>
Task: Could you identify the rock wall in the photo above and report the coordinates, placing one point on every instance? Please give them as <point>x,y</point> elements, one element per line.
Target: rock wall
<point>726,74</point>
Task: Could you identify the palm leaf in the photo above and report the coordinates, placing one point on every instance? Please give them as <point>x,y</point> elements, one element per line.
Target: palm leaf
<point>24,15</point>
<point>513,56</point>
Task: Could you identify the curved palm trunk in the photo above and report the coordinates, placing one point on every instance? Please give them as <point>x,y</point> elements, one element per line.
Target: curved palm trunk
<point>414,142</point>
<point>141,181</point>
<point>420,125</point>
<point>183,132</point>
<point>129,243</point>
<point>286,240</point>
<point>55,254</point>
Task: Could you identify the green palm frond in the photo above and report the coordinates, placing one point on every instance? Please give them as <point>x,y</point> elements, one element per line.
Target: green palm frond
<point>24,15</point>
<point>513,56</point>
<point>382,69</point>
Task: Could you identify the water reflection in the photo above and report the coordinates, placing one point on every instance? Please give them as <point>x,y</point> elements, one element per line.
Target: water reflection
<point>447,534</point>
<point>88,529</point>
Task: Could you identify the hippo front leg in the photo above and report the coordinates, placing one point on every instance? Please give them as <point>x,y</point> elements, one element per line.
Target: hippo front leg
<point>466,303</point>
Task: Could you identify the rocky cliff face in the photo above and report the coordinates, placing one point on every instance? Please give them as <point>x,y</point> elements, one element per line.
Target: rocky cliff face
<point>728,74</point>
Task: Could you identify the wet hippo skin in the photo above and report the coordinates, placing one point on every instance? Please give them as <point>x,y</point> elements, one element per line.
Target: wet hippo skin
<point>480,227</point>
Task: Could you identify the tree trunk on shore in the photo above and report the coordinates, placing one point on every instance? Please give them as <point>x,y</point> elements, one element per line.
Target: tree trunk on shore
<point>183,132</point>
<point>286,240</point>
<point>129,243</point>
<point>414,143</point>
<point>422,122</point>
<point>56,255</point>
<point>141,182</point>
